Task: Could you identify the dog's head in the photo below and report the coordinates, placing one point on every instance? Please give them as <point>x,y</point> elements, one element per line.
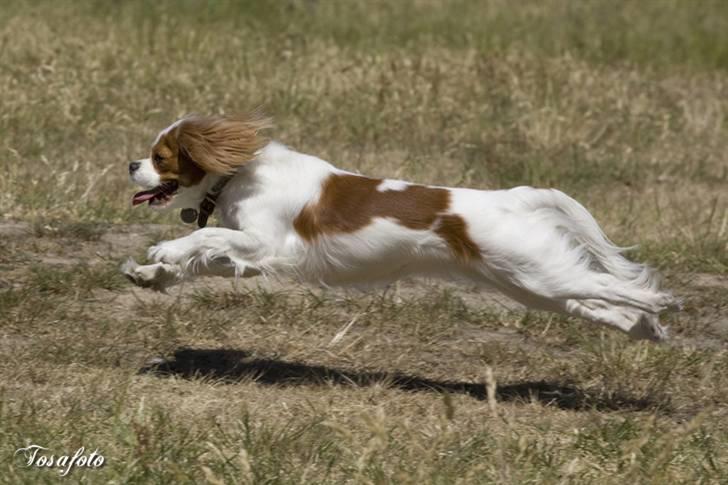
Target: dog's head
<point>189,150</point>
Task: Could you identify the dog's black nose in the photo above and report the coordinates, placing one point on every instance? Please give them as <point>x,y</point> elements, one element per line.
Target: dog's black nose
<point>134,166</point>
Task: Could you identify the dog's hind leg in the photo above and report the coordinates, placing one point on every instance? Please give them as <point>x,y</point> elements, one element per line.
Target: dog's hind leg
<point>604,286</point>
<point>578,282</point>
<point>637,324</point>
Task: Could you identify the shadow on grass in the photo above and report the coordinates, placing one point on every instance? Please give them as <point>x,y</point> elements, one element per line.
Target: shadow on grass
<point>230,366</point>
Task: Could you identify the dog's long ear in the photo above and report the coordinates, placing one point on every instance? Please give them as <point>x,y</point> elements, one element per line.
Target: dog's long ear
<point>220,144</point>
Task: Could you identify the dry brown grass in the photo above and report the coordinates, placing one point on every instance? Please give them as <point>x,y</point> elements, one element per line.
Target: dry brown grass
<point>270,383</point>
<point>621,104</point>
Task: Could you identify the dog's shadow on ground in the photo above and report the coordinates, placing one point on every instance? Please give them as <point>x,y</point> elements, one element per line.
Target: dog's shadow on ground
<point>228,365</point>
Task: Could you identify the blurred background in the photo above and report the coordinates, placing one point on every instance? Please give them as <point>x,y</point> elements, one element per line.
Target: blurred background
<point>620,103</point>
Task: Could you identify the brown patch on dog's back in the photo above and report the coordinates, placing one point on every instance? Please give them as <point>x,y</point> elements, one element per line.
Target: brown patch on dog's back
<point>454,230</point>
<point>349,203</point>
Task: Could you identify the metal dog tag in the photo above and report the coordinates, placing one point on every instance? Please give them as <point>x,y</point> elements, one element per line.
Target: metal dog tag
<point>188,216</point>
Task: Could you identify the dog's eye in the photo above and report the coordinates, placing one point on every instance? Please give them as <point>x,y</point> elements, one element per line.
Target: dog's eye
<point>157,158</point>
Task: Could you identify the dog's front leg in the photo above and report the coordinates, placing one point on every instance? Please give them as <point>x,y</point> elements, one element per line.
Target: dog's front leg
<point>211,251</point>
<point>206,252</point>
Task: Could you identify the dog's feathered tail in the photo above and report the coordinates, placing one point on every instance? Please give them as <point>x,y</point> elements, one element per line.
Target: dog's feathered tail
<point>570,216</point>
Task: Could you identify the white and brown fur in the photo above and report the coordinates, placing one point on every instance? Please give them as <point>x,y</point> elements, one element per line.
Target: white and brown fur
<point>283,212</point>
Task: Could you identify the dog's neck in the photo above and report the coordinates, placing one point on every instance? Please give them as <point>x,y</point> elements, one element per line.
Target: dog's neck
<point>207,205</point>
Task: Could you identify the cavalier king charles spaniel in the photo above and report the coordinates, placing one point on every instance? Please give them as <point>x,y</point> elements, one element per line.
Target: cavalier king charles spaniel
<point>284,212</point>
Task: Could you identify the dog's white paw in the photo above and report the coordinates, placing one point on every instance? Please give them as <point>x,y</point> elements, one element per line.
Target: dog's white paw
<point>668,302</point>
<point>169,252</point>
<point>648,328</point>
<point>156,276</point>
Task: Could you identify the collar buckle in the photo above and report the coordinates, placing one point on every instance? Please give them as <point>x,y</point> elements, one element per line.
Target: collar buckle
<point>207,206</point>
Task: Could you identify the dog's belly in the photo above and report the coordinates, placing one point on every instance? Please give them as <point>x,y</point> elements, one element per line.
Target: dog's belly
<point>382,274</point>
<point>381,253</point>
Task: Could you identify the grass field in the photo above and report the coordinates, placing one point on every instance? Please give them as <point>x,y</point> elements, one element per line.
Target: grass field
<point>622,104</point>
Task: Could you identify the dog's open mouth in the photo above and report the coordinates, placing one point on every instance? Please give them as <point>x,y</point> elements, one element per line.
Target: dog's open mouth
<point>160,195</point>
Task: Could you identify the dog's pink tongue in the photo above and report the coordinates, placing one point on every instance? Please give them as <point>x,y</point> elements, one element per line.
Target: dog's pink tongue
<point>144,196</point>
